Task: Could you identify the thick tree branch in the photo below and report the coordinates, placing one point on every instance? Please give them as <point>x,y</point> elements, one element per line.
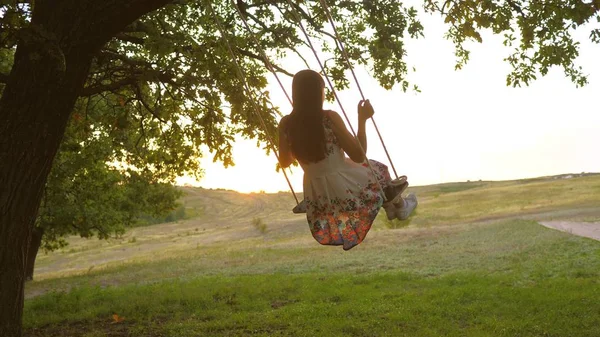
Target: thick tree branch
<point>140,67</point>
<point>105,19</point>
<point>115,55</point>
<point>140,97</point>
<point>132,72</point>
<point>312,22</point>
<point>135,77</point>
<point>3,78</point>
<point>516,7</point>
<point>128,38</point>
<point>17,2</point>
<point>138,27</point>
<point>113,86</point>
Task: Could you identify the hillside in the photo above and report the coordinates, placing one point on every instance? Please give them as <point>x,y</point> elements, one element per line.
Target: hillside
<point>226,219</point>
<point>478,200</point>
<point>473,260</point>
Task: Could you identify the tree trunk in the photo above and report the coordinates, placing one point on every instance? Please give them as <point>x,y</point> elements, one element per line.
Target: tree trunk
<point>34,110</point>
<point>51,64</point>
<point>34,247</point>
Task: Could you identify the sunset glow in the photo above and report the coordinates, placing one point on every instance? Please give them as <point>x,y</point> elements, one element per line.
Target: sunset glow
<point>464,125</point>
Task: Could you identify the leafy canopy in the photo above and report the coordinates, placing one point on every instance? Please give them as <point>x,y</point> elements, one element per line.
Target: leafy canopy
<point>175,79</point>
<point>539,31</point>
<point>87,194</point>
<point>167,85</point>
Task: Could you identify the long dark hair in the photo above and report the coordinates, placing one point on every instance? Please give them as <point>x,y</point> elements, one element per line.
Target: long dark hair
<point>305,131</point>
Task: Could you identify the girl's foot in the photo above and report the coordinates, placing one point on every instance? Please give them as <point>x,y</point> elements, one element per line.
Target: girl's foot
<point>405,207</point>
<point>300,208</point>
<point>394,191</point>
<point>390,210</point>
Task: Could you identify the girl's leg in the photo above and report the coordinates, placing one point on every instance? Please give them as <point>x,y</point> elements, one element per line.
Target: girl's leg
<point>391,188</point>
<point>382,174</point>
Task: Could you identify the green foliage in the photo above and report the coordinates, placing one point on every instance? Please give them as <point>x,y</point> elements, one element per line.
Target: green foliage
<point>167,85</point>
<point>481,281</point>
<point>177,214</point>
<point>461,304</point>
<point>455,203</point>
<point>260,225</point>
<point>87,194</point>
<point>540,32</point>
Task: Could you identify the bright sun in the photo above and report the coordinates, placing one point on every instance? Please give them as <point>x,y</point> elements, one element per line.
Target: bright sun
<point>254,172</point>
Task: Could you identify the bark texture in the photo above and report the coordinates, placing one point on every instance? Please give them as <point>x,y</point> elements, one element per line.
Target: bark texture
<point>34,247</point>
<point>51,65</point>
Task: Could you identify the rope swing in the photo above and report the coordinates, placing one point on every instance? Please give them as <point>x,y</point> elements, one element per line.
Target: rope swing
<point>261,50</point>
<point>271,68</point>
<point>345,55</point>
<point>242,78</point>
<point>299,21</point>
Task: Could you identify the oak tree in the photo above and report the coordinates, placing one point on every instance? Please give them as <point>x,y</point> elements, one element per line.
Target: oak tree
<point>166,77</point>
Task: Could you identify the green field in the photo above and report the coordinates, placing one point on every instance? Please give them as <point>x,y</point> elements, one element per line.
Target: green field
<point>473,261</point>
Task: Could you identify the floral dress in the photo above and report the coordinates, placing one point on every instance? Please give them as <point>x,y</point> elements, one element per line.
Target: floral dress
<point>342,197</point>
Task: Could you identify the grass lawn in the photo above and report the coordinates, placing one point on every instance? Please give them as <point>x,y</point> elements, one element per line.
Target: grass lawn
<point>432,277</point>
<point>512,278</point>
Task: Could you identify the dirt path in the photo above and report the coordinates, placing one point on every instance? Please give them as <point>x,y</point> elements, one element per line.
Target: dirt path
<point>586,229</point>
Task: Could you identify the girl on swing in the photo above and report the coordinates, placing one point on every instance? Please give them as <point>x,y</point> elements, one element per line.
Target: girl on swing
<point>342,195</point>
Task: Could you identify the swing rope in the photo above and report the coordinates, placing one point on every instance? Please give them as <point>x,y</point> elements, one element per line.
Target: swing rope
<point>299,21</point>
<point>242,77</point>
<point>261,50</point>
<point>345,55</point>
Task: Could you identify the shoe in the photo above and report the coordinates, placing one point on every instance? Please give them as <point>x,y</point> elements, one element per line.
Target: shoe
<point>300,208</point>
<point>399,181</point>
<point>394,194</point>
<point>396,188</point>
<point>410,203</point>
<point>390,210</point>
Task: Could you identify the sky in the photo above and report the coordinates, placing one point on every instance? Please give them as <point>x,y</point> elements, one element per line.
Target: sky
<point>463,125</point>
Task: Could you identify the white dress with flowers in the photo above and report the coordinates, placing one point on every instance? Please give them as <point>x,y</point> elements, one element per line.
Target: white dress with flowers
<point>342,197</point>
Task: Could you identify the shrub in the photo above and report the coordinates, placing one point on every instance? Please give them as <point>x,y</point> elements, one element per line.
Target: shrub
<point>259,224</point>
